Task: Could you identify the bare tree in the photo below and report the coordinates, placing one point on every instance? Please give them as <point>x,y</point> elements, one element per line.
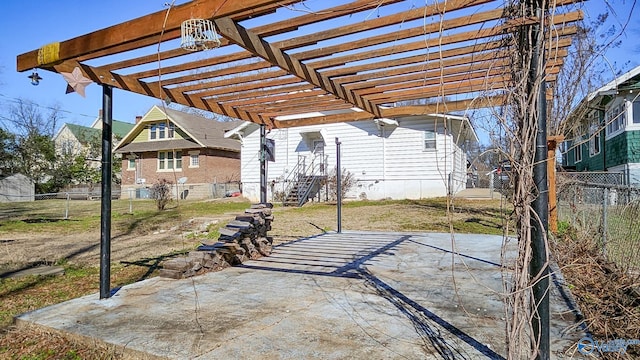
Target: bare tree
<point>32,147</point>
<point>581,74</point>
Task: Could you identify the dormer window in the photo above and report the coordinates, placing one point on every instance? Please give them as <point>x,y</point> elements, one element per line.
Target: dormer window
<point>161,130</point>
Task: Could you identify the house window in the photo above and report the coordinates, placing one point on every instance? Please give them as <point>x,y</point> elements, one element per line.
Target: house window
<point>169,160</point>
<point>161,131</point>
<point>161,160</point>
<point>636,112</point>
<point>429,140</point>
<point>594,134</point>
<point>577,151</point>
<point>194,160</point>
<point>594,141</point>
<point>616,118</point>
<point>67,147</point>
<point>161,127</point>
<point>318,146</point>
<point>131,164</point>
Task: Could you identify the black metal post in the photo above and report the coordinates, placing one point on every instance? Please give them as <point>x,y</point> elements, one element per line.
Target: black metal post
<point>105,209</point>
<point>538,267</point>
<point>338,185</point>
<point>263,164</point>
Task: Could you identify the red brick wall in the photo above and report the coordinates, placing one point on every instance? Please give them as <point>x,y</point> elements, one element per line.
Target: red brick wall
<point>215,166</point>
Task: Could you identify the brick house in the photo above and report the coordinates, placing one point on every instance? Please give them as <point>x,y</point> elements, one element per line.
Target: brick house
<point>187,150</point>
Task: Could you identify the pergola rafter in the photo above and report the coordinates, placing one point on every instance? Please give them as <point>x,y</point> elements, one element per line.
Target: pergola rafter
<point>452,53</point>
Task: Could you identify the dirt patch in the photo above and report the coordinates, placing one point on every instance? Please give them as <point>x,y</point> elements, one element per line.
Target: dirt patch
<point>84,248</point>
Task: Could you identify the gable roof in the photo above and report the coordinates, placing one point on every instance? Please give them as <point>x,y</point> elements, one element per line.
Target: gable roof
<point>83,134</point>
<point>630,79</point>
<point>201,132</point>
<point>121,128</point>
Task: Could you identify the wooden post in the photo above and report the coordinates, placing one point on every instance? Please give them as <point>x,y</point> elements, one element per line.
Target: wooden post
<point>552,146</point>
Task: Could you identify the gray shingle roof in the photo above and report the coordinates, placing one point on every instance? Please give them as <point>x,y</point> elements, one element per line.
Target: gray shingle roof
<point>204,133</point>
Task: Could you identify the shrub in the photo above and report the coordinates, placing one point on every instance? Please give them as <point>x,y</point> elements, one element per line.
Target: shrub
<point>347,182</point>
<point>161,193</point>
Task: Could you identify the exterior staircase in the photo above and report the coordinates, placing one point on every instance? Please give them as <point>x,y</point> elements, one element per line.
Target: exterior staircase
<point>305,181</point>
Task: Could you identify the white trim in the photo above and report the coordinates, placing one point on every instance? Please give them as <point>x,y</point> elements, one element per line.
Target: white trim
<point>611,88</point>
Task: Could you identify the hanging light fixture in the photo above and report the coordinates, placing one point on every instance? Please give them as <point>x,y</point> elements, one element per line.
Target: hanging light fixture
<point>35,78</point>
<point>199,34</point>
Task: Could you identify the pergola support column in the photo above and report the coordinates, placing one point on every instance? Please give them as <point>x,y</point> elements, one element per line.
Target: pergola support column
<point>539,267</point>
<point>263,164</point>
<point>105,209</point>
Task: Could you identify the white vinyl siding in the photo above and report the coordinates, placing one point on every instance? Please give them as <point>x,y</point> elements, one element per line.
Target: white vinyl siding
<point>388,161</point>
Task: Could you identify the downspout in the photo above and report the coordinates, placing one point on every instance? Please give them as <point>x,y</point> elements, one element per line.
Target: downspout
<point>384,167</point>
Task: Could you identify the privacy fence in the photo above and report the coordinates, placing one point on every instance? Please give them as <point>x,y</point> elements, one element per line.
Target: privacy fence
<point>600,207</point>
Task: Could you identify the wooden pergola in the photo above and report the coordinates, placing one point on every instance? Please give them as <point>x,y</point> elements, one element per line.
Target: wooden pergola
<point>359,60</point>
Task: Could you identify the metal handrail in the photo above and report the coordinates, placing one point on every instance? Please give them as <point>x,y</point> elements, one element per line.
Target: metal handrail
<point>304,177</point>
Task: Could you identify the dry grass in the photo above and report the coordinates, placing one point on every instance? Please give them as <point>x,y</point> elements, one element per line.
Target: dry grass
<point>607,295</point>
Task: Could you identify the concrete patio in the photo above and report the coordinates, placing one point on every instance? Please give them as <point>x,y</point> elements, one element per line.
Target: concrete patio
<point>355,295</point>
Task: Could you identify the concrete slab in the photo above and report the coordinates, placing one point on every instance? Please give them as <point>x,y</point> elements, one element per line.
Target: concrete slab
<point>355,295</point>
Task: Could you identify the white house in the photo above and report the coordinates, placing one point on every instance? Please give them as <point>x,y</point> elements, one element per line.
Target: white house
<point>405,158</point>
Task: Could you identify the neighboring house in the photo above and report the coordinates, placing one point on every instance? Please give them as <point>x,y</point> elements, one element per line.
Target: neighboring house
<point>404,158</point>
<point>188,150</point>
<point>77,140</point>
<point>608,135</point>
<point>16,187</point>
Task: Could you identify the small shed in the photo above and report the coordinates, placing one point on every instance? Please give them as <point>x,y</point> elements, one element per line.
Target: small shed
<point>16,187</point>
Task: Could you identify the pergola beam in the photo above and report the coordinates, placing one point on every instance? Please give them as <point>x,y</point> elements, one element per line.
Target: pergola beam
<point>126,35</point>
<point>413,110</point>
<point>274,55</point>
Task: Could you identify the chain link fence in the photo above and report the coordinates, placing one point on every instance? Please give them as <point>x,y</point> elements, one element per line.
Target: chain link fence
<point>600,207</point>
<point>68,205</point>
<point>72,204</point>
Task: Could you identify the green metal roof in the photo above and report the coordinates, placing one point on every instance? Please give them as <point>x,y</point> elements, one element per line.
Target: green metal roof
<point>84,134</point>
<point>121,128</point>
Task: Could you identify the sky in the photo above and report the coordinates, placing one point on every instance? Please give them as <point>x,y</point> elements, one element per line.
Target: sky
<point>29,24</point>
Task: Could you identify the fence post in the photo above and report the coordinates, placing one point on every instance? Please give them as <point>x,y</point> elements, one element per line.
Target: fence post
<point>66,208</point>
<point>338,186</point>
<point>130,201</point>
<point>605,200</point>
